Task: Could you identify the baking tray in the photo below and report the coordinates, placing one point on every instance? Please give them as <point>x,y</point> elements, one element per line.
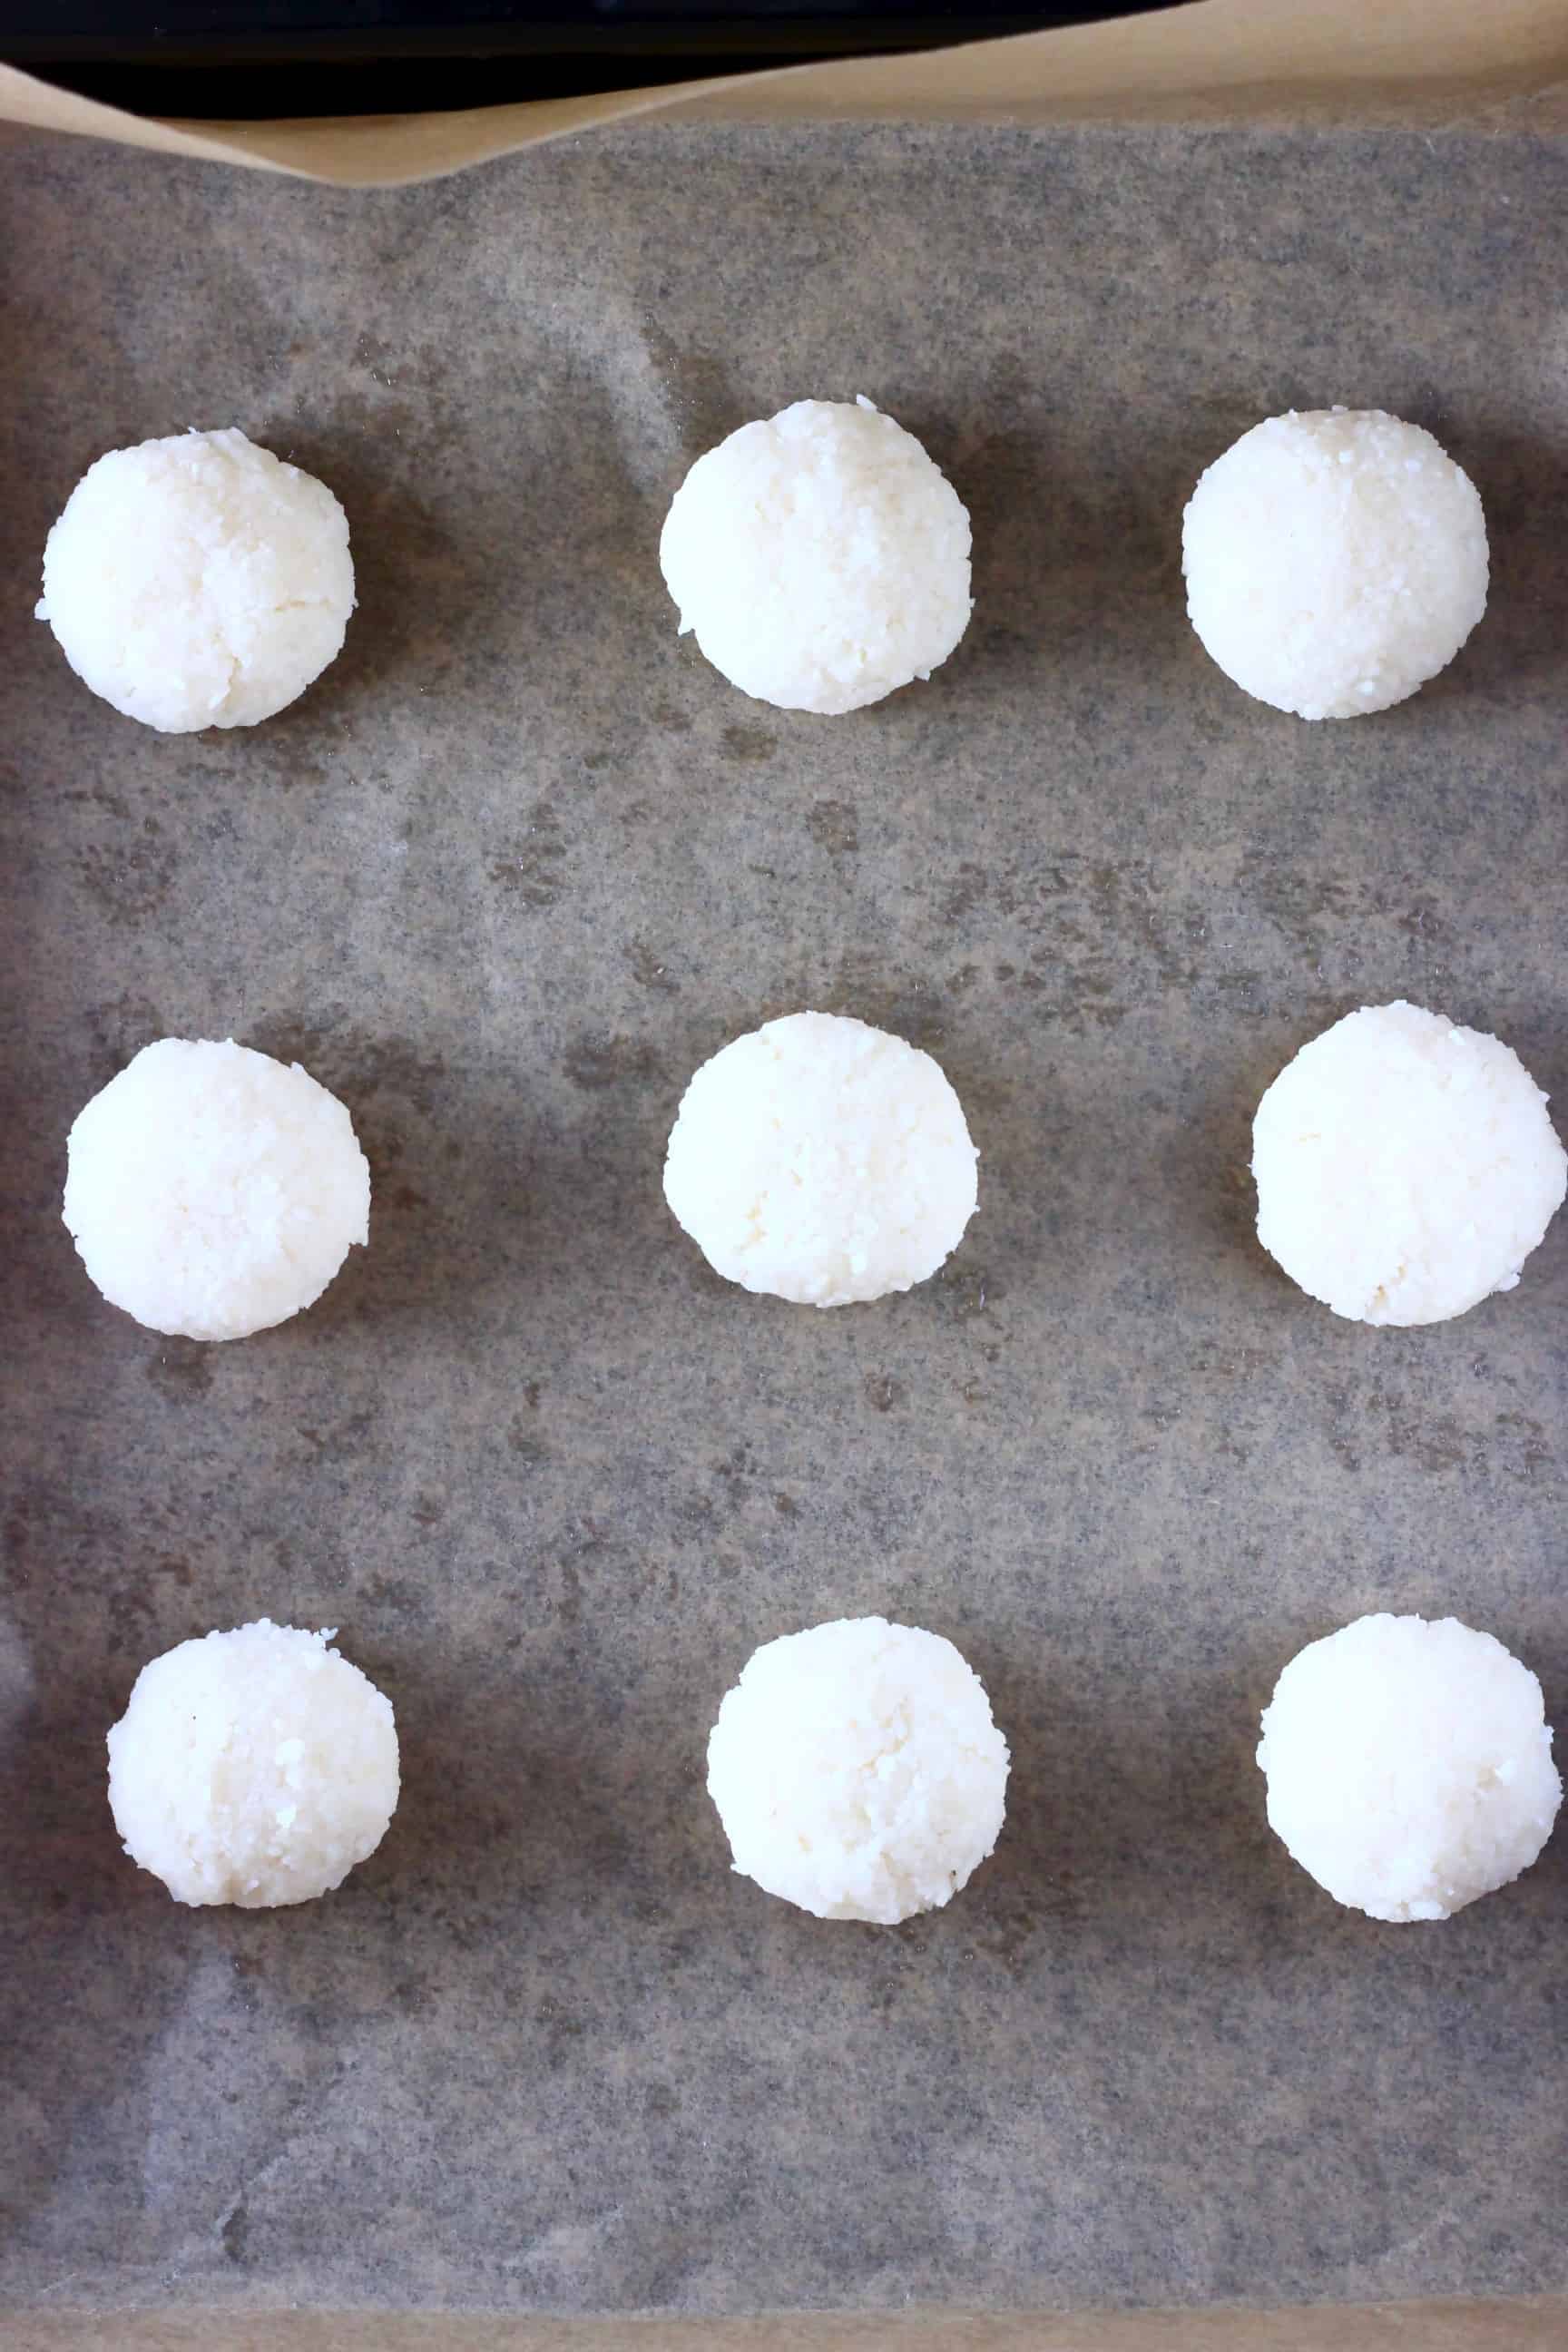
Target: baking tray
<point>515,866</point>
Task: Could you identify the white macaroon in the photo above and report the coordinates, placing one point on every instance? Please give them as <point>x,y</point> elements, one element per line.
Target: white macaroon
<point>1406,1167</point>
<point>820,557</point>
<point>1335,559</point>
<point>198,580</point>
<point>213,1191</point>
<point>821,1160</point>
<point>256,1766</point>
<point>857,1771</point>
<point>1409,1766</point>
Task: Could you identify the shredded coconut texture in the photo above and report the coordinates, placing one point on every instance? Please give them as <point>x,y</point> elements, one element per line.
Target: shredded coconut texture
<point>1409,1766</point>
<point>1406,1167</point>
<point>821,1160</point>
<point>820,556</point>
<point>198,580</point>
<point>857,1771</point>
<point>213,1191</point>
<point>255,1768</point>
<point>1334,561</point>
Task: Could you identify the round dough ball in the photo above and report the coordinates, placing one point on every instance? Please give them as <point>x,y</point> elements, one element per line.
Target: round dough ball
<point>1334,561</point>
<point>198,580</point>
<point>212,1191</point>
<point>821,1160</point>
<point>820,556</point>
<point>1405,1167</point>
<point>1409,1766</point>
<point>254,1768</point>
<point>857,1771</point>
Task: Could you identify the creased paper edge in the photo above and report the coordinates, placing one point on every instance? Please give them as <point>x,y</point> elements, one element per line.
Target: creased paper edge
<point>1432,63</point>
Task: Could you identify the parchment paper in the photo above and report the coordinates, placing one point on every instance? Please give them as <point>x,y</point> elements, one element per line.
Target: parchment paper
<point>515,866</point>
<point>1427,61</point>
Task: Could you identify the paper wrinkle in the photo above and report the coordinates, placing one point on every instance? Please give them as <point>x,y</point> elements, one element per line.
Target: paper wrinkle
<point>1444,62</point>
<point>17,1683</point>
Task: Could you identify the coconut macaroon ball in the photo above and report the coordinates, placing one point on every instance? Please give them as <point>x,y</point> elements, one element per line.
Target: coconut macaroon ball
<point>820,556</point>
<point>255,1768</point>
<point>857,1771</point>
<point>1406,1167</point>
<point>1409,1765</point>
<point>212,1191</point>
<point>198,580</point>
<point>1334,559</point>
<point>821,1160</point>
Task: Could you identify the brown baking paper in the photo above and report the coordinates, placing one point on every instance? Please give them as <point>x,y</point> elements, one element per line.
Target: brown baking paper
<point>1532,2325</point>
<point>1437,60</point>
<point>511,869</point>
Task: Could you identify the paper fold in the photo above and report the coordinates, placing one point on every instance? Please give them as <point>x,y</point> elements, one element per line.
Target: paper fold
<point>1432,60</point>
